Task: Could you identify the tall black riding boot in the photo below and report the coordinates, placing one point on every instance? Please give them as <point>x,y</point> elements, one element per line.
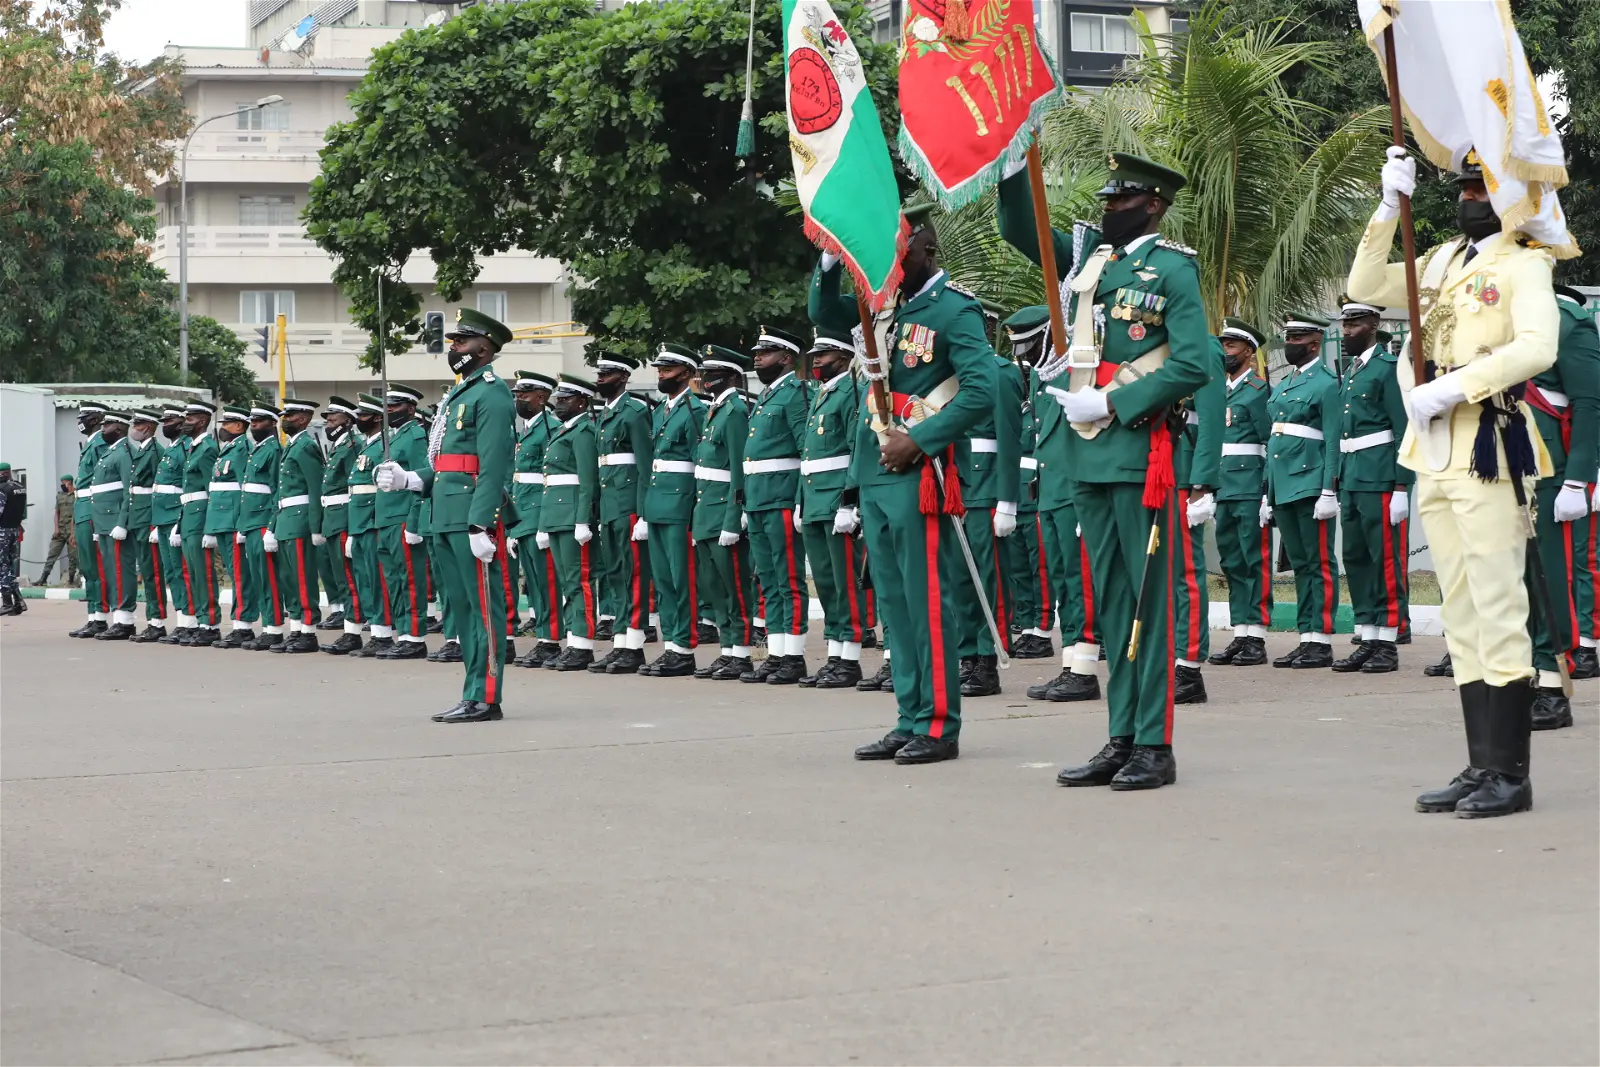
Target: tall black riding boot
<point>1506,788</point>
<point>1475,714</point>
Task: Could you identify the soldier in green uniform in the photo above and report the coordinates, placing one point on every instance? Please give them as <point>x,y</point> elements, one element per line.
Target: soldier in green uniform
<point>400,565</point>
<point>722,565</point>
<point>1197,460</point>
<point>111,502</point>
<point>222,532</point>
<point>567,516</point>
<point>1566,407</point>
<point>622,426</point>
<point>199,547</point>
<point>258,492</point>
<point>437,544</point>
<point>297,517</point>
<point>1138,345</point>
<point>339,417</point>
<point>1032,596</point>
<point>90,417</point>
<point>1374,492</point>
<point>467,466</point>
<point>165,509</point>
<point>145,453</point>
<point>771,484</point>
<point>1302,467</point>
<point>675,429</point>
<point>1244,542</point>
<point>537,567</point>
<point>361,548</point>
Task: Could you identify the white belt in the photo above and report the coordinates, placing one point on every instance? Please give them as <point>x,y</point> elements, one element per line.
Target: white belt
<point>1192,418</point>
<point>713,474</point>
<point>257,487</point>
<point>771,466</point>
<point>618,459</point>
<point>224,487</point>
<point>1557,400</point>
<point>671,466</point>
<point>293,501</point>
<point>190,498</point>
<point>335,498</point>
<point>1244,450</point>
<point>828,463</point>
<point>87,490</point>
<point>528,478</point>
<point>1294,429</point>
<point>1366,441</point>
<point>561,479</point>
<point>142,490</point>
<point>1031,464</point>
<point>984,444</point>
<point>104,487</point>
<point>363,490</point>
<point>169,490</point>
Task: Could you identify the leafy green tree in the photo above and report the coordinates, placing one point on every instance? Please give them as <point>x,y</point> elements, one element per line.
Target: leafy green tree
<point>216,361</point>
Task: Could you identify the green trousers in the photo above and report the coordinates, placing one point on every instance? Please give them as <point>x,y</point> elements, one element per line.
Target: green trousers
<point>266,578</point>
<point>200,577</point>
<point>119,570</point>
<point>1032,595</point>
<point>297,581</point>
<point>450,623</point>
<point>1587,574</point>
<point>623,578</point>
<point>369,581</point>
<point>987,553</point>
<point>1244,547</point>
<point>404,584</point>
<point>779,555</point>
<point>236,562</point>
<point>332,573</point>
<point>575,575</point>
<point>478,591</point>
<point>724,584</point>
<point>672,568</point>
<point>916,567</point>
<point>173,569</point>
<point>89,564</point>
<point>152,573</point>
<point>836,563</point>
<point>1116,528</point>
<point>1563,548</point>
<point>1071,577</point>
<point>1309,544</point>
<point>508,583</point>
<point>1376,555</point>
<point>1191,619</point>
<point>536,569</point>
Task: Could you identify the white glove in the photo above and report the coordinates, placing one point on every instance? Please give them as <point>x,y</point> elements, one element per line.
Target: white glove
<point>511,547</point>
<point>727,538</point>
<point>269,542</point>
<point>1595,506</point>
<point>1202,509</point>
<point>411,538</point>
<point>390,477</point>
<point>1005,519</point>
<point>1570,503</point>
<point>582,534</point>
<point>829,260</point>
<point>349,548</point>
<point>846,520</point>
<point>119,533</point>
<point>155,536</point>
<point>1265,514</point>
<point>482,546</point>
<point>641,531</point>
<point>797,527</point>
<point>1327,506</point>
<point>1086,405</point>
<point>239,538</point>
<point>1432,399</point>
<point>175,539</point>
<point>318,540</point>
<point>1399,507</point>
<point>744,520</point>
<point>1399,177</point>
<point>208,541</point>
<point>542,539</point>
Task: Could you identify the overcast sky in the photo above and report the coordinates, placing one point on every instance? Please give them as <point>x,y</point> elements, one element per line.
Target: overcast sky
<point>142,28</point>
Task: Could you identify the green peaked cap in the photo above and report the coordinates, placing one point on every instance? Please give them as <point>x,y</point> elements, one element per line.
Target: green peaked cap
<point>1241,330</point>
<point>833,339</point>
<point>1136,174</point>
<point>1027,322</point>
<point>717,357</point>
<point>471,322</point>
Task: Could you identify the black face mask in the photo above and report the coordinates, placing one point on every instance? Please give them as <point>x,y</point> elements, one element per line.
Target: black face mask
<point>671,383</point>
<point>1352,345</point>
<point>610,390</point>
<point>1028,352</point>
<point>1300,355</point>
<point>525,409</point>
<point>768,375</point>
<point>459,361</point>
<point>1117,228</point>
<point>401,417</point>
<point>171,432</point>
<point>1477,219</point>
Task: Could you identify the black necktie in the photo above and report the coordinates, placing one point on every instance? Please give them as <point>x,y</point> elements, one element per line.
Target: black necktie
<point>1472,251</point>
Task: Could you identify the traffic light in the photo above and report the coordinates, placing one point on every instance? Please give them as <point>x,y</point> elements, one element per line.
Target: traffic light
<point>433,331</point>
<point>264,346</point>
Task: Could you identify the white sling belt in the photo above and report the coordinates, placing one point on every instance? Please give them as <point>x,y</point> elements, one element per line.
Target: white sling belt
<point>1294,429</point>
<point>1244,450</point>
<point>827,463</point>
<point>1366,441</point>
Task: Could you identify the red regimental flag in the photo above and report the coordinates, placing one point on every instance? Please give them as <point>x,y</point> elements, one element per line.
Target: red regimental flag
<point>973,77</point>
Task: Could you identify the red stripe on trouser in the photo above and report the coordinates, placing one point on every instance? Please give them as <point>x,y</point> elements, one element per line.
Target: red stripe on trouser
<point>1325,571</point>
<point>116,548</point>
<point>419,612</point>
<point>100,566</point>
<point>694,593</point>
<point>1594,571</point>
<point>383,588</point>
<point>850,590</point>
<point>1088,592</point>
<point>503,555</point>
<point>1002,607</point>
<point>427,581</point>
<point>641,615</point>
<point>1191,580</point>
<point>745,618</point>
<point>188,584</point>
<point>552,597</point>
<point>941,697</point>
<point>275,600</point>
<point>1566,587</point>
<point>798,608</point>
<point>305,592</point>
<point>1266,576</point>
<point>591,622</point>
<point>1047,597</point>
<point>1391,591</point>
<point>238,566</point>
<point>155,568</point>
<point>213,609</point>
<point>1172,658</point>
<point>350,580</point>
<point>489,690</point>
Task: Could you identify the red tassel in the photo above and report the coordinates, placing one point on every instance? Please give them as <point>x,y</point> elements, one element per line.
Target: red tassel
<point>1159,479</point>
<point>957,22</point>
<point>953,502</point>
<point>928,491</point>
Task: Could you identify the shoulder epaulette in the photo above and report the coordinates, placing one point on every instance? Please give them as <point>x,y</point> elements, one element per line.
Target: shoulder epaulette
<point>1173,246</point>
<point>1257,382</point>
<point>958,287</point>
<point>1386,355</point>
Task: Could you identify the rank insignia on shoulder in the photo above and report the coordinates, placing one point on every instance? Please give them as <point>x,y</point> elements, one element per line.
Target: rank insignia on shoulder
<point>963,290</point>
<point>488,375</point>
<point>1173,246</point>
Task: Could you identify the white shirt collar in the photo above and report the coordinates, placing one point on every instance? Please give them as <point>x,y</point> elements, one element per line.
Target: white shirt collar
<point>1234,382</point>
<point>835,380</point>
<point>1138,242</point>
<point>779,380</point>
<point>614,401</point>
<point>725,394</point>
<point>925,286</point>
<point>672,401</point>
<point>574,420</point>
<point>1361,360</point>
<point>375,435</point>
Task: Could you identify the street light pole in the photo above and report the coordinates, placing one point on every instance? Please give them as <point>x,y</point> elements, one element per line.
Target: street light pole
<point>183,231</point>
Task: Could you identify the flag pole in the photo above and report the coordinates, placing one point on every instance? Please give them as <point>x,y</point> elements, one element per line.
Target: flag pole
<point>1408,233</point>
<point>1047,245</point>
<point>869,335</point>
<point>383,366</point>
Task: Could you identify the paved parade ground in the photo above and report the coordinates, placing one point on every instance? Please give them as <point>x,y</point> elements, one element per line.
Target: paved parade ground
<point>232,857</point>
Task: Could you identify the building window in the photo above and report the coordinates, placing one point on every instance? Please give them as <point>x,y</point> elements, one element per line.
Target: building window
<point>493,304</point>
<point>1104,33</point>
<point>263,306</point>
<point>266,211</point>
<point>1179,27</point>
<point>271,117</point>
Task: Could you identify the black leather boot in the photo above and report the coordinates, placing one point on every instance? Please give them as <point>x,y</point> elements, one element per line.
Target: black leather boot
<point>630,662</point>
<point>1227,655</point>
<point>845,674</point>
<point>152,632</point>
<point>1357,659</point>
<point>1254,653</point>
<point>810,681</point>
<point>1506,788</point>
<point>759,672</point>
<point>1289,658</point>
<point>1032,646</point>
<point>236,639</point>
<point>671,664</point>
<point>1148,768</point>
<point>1551,710</point>
<point>302,642</point>
<point>1313,654</point>
<point>1385,659</point>
<point>346,644</point>
<point>734,670</point>
<point>789,671</point>
<point>604,631</point>
<point>599,666</point>
<point>177,635</point>
<point>204,637</point>
<point>708,634</point>
<point>433,626</point>
<point>471,711</point>
<point>882,682</point>
<point>1070,686</point>
<point>885,747</point>
<point>1585,663</point>
<point>1042,690</point>
<point>117,631</point>
<point>449,652</point>
<point>869,639</point>
<point>541,653</point>
<point>1474,697</point>
<point>964,671</point>
<point>1102,766</point>
<point>334,621</point>
<point>405,650</point>
<point>925,749</point>
<point>265,643</point>
<point>573,659</point>
<point>374,646</point>
<point>1189,687</point>
<point>1442,669</point>
<point>984,681</point>
<point>713,667</point>
<point>90,628</point>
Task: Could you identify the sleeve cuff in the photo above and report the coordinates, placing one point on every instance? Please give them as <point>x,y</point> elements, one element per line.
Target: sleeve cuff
<point>1006,507</point>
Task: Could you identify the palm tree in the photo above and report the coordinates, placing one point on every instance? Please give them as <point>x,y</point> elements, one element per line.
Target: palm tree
<point>1273,212</point>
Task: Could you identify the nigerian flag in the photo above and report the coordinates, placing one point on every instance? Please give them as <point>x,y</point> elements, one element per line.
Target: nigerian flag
<point>841,160</point>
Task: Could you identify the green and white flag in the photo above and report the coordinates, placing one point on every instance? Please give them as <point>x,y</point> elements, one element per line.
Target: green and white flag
<point>841,160</point>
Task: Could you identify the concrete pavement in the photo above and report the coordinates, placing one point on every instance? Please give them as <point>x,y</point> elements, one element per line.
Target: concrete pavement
<point>230,857</point>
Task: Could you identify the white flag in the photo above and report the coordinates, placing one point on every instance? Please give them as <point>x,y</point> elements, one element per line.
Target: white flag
<point>1465,85</point>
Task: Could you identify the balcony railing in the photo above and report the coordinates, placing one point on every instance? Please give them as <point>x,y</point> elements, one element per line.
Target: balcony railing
<point>341,338</point>
<point>284,145</point>
<point>238,241</point>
